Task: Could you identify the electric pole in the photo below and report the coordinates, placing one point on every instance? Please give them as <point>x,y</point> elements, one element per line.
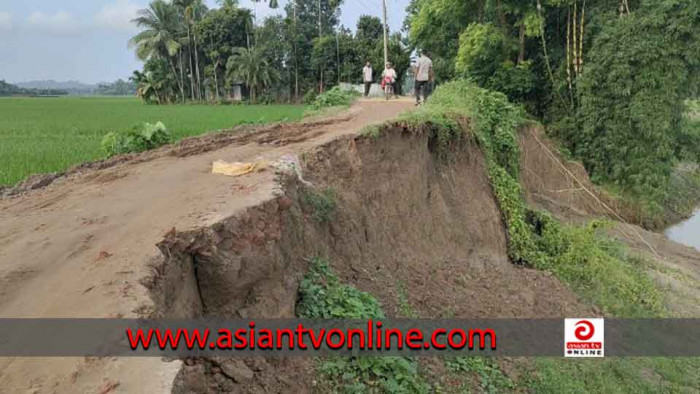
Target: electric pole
<point>320,34</point>
<point>337,48</point>
<point>386,39</point>
<point>296,58</point>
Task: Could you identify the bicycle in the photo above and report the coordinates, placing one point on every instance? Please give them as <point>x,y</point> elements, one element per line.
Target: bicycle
<point>388,91</point>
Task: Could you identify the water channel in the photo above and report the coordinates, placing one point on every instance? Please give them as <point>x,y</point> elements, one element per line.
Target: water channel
<point>687,232</point>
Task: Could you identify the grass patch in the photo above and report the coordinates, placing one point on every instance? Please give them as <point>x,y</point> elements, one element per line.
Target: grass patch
<point>40,135</point>
<point>323,203</point>
<point>405,308</point>
<point>372,131</point>
<point>323,296</point>
<point>597,268</point>
<point>632,375</point>
<point>489,376</point>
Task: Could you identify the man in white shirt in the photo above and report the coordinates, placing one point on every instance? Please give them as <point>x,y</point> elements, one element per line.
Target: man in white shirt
<point>424,75</point>
<point>367,77</point>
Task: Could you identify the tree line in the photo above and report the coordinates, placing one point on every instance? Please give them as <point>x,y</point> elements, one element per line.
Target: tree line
<point>192,53</point>
<point>8,89</point>
<point>610,78</point>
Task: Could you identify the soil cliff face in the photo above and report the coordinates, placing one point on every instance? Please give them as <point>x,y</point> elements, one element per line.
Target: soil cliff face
<point>407,227</point>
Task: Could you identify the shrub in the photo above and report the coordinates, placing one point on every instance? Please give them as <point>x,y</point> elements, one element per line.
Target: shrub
<point>324,203</point>
<point>139,138</point>
<point>334,98</point>
<point>491,378</point>
<point>309,97</point>
<point>323,296</point>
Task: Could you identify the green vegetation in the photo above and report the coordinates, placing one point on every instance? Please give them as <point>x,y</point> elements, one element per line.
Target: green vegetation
<point>632,375</point>
<point>251,67</point>
<point>7,89</point>
<point>323,203</point>
<point>334,98</point>
<point>42,135</point>
<point>191,52</point>
<point>117,88</point>
<point>491,379</point>
<point>599,269</point>
<point>405,308</point>
<point>609,79</point>
<point>137,139</point>
<point>643,104</point>
<point>322,295</point>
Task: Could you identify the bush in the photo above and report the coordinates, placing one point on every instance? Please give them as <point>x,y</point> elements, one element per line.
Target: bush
<point>323,296</point>
<point>139,138</point>
<point>334,98</point>
<point>323,203</point>
<point>484,57</point>
<point>309,97</point>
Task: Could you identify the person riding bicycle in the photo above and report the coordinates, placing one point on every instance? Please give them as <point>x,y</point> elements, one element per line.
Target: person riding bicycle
<point>388,78</point>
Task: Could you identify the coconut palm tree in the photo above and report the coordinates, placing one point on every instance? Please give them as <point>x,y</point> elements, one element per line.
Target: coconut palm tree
<point>250,67</point>
<point>162,27</point>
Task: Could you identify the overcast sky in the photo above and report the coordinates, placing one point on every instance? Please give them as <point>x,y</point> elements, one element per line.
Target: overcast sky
<point>86,40</point>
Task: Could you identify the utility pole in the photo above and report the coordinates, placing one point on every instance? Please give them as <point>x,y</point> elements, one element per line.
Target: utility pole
<point>337,48</point>
<point>320,34</point>
<point>296,59</point>
<point>386,39</point>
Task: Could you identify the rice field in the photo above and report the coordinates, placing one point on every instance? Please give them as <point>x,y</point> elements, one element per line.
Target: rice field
<point>40,135</point>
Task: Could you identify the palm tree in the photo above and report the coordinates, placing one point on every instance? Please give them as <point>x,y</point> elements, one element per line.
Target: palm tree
<point>147,86</point>
<point>160,37</point>
<point>250,66</point>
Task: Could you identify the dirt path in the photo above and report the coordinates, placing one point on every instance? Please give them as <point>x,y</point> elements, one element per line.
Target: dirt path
<point>79,248</point>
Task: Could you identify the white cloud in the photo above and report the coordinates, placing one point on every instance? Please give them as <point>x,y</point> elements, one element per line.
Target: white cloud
<point>5,21</point>
<point>117,16</point>
<point>58,23</point>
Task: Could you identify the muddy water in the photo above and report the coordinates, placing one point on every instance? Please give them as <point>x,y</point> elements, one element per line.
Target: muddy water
<point>687,232</point>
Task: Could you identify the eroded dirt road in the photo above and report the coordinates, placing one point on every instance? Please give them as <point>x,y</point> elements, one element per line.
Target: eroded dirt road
<point>80,247</point>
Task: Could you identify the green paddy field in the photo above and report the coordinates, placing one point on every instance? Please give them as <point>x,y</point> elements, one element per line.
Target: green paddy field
<point>39,135</point>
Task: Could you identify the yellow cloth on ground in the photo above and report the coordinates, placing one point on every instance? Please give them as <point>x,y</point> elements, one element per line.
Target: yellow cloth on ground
<point>234,169</point>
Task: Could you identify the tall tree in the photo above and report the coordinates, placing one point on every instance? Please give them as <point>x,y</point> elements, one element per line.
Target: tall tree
<point>220,31</point>
<point>251,67</point>
<point>192,11</point>
<point>159,38</point>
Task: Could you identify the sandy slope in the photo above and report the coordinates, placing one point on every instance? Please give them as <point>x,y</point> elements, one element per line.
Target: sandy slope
<point>79,248</point>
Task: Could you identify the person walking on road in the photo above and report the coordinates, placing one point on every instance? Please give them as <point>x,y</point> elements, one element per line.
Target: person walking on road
<point>388,80</point>
<point>424,76</point>
<point>367,77</point>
